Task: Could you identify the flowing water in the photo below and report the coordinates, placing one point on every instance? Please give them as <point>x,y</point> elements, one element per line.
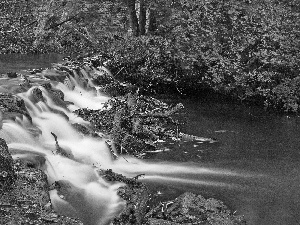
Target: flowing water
<point>253,167</point>
<point>264,146</point>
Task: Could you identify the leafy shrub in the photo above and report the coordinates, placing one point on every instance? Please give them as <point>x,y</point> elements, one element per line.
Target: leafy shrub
<point>239,48</point>
<point>286,96</point>
<point>145,60</point>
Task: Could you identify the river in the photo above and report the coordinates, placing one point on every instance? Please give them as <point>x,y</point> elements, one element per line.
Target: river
<point>262,148</point>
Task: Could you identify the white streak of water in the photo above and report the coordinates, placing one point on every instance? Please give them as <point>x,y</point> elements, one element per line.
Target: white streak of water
<point>94,195</point>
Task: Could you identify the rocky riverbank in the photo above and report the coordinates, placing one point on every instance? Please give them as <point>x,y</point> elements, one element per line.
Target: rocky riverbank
<point>132,123</point>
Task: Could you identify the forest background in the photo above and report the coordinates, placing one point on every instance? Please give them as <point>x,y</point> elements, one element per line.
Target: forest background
<point>242,50</point>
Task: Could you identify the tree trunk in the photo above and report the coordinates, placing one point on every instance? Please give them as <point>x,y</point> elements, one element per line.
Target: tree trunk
<point>133,20</point>
<point>142,18</point>
<point>152,25</point>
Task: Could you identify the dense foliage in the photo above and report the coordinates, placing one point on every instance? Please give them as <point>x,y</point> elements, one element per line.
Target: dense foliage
<point>245,49</point>
<point>16,26</point>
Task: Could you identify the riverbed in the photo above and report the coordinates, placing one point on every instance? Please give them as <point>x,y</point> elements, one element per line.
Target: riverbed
<point>262,148</point>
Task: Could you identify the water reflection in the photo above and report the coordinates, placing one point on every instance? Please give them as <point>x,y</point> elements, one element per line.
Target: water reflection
<point>17,62</point>
<point>249,141</point>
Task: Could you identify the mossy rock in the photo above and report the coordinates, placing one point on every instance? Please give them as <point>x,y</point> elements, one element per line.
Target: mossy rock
<point>28,201</point>
<point>12,106</point>
<point>7,174</point>
<point>190,208</point>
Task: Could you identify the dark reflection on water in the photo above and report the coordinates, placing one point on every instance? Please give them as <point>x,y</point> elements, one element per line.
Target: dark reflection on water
<point>250,141</point>
<point>245,133</point>
<point>17,62</point>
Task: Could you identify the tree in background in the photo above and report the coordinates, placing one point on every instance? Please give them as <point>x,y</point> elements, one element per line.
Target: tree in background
<point>247,49</point>
<point>16,25</point>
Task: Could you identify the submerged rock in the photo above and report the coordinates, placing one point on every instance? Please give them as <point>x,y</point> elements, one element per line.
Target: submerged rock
<point>37,95</point>
<point>7,174</point>
<point>56,96</point>
<point>55,93</point>
<point>190,208</point>
<point>54,74</point>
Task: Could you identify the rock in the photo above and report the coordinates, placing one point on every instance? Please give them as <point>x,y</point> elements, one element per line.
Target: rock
<point>135,194</point>
<point>86,131</point>
<point>26,83</point>
<point>28,201</point>
<point>97,211</point>
<point>55,95</point>
<point>37,95</point>
<point>101,78</point>
<point>133,145</point>
<point>65,152</point>
<point>54,92</point>
<point>54,74</point>
<point>190,208</point>
<point>12,106</point>
<point>1,119</point>
<point>68,83</point>
<point>136,205</point>
<point>12,75</point>
<point>115,89</point>
<point>7,174</point>
<point>152,221</point>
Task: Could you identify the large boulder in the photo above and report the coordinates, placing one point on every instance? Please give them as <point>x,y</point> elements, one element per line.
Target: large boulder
<point>12,106</point>
<point>7,174</point>
<point>190,208</point>
<point>28,201</point>
<point>136,195</point>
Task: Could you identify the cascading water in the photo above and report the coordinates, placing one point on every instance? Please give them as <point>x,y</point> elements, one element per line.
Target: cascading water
<point>95,201</point>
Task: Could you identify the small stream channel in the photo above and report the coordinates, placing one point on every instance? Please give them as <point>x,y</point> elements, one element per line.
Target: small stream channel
<point>264,148</point>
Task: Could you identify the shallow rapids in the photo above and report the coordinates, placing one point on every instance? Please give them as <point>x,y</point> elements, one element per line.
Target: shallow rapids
<point>95,201</point>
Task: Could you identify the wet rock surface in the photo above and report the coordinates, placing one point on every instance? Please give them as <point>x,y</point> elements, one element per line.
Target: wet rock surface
<point>189,208</point>
<point>135,194</point>
<point>28,202</point>
<point>7,173</point>
<point>12,106</point>
<point>55,95</point>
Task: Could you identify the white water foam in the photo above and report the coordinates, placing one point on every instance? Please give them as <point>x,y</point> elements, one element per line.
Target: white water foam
<point>93,194</point>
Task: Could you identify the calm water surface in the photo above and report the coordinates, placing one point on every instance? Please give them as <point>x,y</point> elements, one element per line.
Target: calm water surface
<point>17,62</point>
<point>264,148</point>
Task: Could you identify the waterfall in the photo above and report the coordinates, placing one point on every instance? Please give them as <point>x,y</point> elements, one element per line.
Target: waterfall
<point>95,201</point>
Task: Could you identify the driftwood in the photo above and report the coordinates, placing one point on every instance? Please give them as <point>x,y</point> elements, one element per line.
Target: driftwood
<point>61,151</point>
